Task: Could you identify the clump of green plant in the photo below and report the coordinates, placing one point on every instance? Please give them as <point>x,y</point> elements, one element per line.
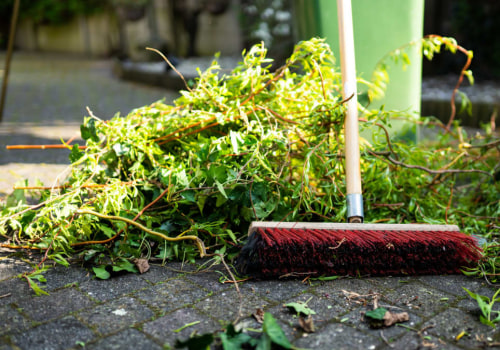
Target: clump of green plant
<point>180,180</point>
<point>486,305</point>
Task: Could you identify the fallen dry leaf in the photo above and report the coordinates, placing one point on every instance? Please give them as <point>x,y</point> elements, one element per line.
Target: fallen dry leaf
<point>142,265</point>
<point>391,318</point>
<point>259,315</point>
<point>307,324</point>
<point>359,298</point>
<point>427,344</point>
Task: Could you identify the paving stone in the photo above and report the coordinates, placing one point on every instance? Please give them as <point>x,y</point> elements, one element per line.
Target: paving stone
<point>54,305</point>
<point>413,341</point>
<point>61,276</point>
<point>335,288</point>
<point>12,320</point>
<point>172,294</point>
<point>116,315</point>
<point>60,334</point>
<point>419,298</point>
<point>158,273</point>
<point>11,266</point>
<point>127,339</point>
<point>326,309</point>
<point>5,346</point>
<point>450,323</point>
<point>209,280</point>
<point>338,336</point>
<point>182,292</point>
<point>452,283</point>
<point>391,282</point>
<point>103,290</point>
<point>157,299</point>
<point>14,289</point>
<point>224,306</point>
<point>168,328</point>
<point>275,290</point>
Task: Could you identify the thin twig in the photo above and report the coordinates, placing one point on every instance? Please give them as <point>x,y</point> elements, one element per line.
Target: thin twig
<point>56,146</point>
<point>441,171</point>
<point>486,145</point>
<point>171,66</point>
<point>385,340</point>
<point>431,171</point>
<point>466,66</point>
<point>240,296</point>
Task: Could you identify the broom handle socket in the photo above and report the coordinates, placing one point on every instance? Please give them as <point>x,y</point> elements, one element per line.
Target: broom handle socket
<point>355,208</point>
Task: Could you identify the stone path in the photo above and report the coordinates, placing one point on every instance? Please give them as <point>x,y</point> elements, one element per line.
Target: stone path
<point>47,99</point>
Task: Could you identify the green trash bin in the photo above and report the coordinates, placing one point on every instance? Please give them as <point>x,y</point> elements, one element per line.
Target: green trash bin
<point>380,26</point>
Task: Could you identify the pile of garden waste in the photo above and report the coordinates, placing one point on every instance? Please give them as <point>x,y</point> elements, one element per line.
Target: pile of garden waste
<point>180,180</point>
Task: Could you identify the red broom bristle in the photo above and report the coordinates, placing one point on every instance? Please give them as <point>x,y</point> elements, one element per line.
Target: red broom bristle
<point>273,252</point>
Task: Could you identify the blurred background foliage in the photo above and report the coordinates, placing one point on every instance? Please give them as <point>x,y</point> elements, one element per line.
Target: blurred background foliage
<point>473,23</point>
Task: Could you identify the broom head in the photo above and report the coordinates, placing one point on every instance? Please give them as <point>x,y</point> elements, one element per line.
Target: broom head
<point>276,249</point>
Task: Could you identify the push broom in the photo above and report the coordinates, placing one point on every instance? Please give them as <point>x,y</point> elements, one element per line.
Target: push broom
<point>278,249</point>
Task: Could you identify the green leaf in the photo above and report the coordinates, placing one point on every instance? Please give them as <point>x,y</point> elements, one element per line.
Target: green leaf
<point>101,273</point>
<point>471,294</point>
<point>186,326</point>
<point>189,195</point>
<point>233,340</point>
<point>36,288</point>
<point>125,265</point>
<point>39,278</point>
<point>485,307</point>
<point>465,104</point>
<point>196,342</point>
<point>301,308</point>
<point>217,174</point>
<point>376,314</point>
<point>235,137</point>
<point>89,131</point>
<point>271,327</point>
<point>221,188</point>
<point>75,154</point>
<point>264,343</point>
<point>108,231</point>
<point>121,149</point>
<point>486,322</point>
<point>325,278</point>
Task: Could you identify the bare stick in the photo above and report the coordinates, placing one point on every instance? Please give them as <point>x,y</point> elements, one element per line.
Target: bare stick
<point>66,146</point>
<point>431,171</point>
<point>171,66</point>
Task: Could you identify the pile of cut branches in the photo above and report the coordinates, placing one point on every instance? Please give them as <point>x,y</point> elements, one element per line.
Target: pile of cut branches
<point>173,181</point>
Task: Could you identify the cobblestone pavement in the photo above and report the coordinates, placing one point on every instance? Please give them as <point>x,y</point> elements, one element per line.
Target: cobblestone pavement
<point>47,99</point>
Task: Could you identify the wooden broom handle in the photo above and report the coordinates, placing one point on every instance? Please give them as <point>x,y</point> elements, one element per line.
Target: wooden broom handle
<point>348,69</point>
